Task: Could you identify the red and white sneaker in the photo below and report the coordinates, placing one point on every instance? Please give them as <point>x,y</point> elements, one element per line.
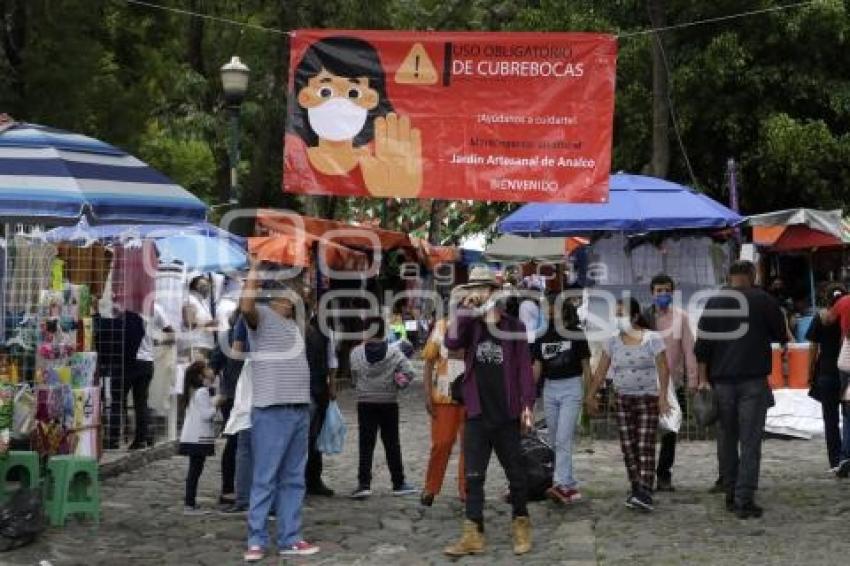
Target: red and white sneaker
<point>254,554</point>
<point>566,496</point>
<point>300,548</point>
<point>572,495</point>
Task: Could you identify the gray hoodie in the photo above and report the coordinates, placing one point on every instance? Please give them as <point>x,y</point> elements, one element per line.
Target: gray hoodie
<point>373,368</point>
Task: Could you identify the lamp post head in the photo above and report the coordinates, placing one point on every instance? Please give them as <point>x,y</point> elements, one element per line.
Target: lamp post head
<point>234,80</point>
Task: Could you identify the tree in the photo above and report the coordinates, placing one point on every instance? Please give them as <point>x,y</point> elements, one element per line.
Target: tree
<point>771,90</point>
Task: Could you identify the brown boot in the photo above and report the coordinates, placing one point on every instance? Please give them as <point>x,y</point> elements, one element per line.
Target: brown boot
<point>522,535</point>
<point>471,542</point>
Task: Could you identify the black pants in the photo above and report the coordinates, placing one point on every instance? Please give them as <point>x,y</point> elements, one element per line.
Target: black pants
<point>313,472</point>
<point>118,390</point>
<point>829,388</point>
<point>479,441</point>
<point>141,383</point>
<point>743,408</point>
<point>228,457</point>
<point>667,452</point>
<point>370,418</point>
<point>196,468</point>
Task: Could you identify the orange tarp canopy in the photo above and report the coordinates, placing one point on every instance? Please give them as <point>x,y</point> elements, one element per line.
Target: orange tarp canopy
<point>356,236</point>
<point>793,238</point>
<point>434,255</point>
<point>296,249</point>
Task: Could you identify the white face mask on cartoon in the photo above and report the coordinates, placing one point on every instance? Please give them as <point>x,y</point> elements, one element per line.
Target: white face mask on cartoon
<point>338,119</point>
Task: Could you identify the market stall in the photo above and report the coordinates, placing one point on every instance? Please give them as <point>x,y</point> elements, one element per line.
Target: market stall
<point>798,253</point>
<point>73,304</point>
<point>648,226</point>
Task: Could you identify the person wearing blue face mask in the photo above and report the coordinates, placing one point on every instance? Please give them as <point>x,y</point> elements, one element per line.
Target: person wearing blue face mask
<point>672,323</point>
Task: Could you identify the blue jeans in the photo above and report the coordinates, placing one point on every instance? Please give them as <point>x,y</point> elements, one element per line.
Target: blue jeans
<point>244,468</point>
<point>562,400</point>
<point>279,445</point>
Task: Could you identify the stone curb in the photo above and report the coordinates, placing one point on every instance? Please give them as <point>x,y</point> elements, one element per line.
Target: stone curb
<point>132,461</point>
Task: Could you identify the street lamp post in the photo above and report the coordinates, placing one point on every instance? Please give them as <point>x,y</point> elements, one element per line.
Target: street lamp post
<point>234,80</point>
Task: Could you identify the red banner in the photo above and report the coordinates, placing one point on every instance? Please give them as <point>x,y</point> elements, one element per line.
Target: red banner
<point>451,115</point>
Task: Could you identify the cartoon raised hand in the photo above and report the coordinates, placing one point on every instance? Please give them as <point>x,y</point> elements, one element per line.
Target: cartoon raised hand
<point>396,168</point>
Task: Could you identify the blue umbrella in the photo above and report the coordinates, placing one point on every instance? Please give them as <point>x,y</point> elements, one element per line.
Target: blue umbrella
<point>636,204</point>
<point>53,176</point>
<point>83,231</point>
<point>202,253</point>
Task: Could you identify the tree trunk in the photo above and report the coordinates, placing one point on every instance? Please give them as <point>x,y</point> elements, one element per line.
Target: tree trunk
<point>13,33</point>
<point>435,222</point>
<point>195,47</point>
<point>659,165</point>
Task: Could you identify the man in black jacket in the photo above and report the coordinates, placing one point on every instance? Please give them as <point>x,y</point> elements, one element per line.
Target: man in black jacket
<point>322,359</point>
<point>733,349</point>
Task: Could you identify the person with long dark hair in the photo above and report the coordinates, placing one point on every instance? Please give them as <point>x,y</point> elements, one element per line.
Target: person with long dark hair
<point>341,106</point>
<point>197,438</point>
<point>825,378</point>
<point>638,365</point>
<point>562,359</point>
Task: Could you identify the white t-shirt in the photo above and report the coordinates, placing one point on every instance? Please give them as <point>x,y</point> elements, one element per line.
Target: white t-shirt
<point>153,331</point>
<point>201,336</point>
<point>529,314</point>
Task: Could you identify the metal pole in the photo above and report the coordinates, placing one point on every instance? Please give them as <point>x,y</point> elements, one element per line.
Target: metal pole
<point>233,153</point>
<point>733,194</point>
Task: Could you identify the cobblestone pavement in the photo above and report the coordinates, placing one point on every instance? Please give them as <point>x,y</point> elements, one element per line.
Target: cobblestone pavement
<point>807,512</point>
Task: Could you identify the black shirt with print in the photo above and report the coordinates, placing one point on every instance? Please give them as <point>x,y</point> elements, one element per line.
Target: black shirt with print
<point>560,357</point>
<point>490,378</point>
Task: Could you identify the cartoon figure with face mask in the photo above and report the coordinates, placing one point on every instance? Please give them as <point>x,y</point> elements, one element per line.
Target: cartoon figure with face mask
<point>341,106</point>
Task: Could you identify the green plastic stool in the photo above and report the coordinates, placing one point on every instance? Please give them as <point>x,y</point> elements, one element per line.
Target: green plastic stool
<point>73,488</point>
<point>24,463</point>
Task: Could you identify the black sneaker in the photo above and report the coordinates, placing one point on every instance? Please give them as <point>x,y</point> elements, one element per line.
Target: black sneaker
<point>320,490</point>
<point>642,500</point>
<point>234,509</point>
<point>748,511</point>
<point>843,469</point>
<point>718,487</point>
<point>404,489</point>
<point>362,492</point>
<point>426,499</point>
<point>664,484</point>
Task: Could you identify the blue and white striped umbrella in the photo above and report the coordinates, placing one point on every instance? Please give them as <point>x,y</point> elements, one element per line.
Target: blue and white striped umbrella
<point>53,176</point>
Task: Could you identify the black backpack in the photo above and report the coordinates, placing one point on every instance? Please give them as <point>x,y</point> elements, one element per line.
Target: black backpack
<point>21,519</point>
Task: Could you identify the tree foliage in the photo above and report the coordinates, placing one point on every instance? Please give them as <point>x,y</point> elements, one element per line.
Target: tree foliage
<point>770,90</point>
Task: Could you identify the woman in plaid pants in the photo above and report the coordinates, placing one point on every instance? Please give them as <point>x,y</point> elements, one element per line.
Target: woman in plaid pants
<point>639,370</point>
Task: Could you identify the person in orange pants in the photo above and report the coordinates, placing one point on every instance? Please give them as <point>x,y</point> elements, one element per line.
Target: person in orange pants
<point>447,416</point>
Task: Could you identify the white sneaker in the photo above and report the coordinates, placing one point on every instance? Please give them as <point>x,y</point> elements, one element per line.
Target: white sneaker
<point>361,492</point>
<point>193,511</point>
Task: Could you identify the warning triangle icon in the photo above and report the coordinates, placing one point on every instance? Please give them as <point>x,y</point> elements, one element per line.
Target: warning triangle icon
<point>417,68</point>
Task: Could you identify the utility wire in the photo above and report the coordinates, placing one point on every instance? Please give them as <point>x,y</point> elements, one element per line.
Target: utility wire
<point>218,19</point>
<point>671,27</point>
<point>718,19</point>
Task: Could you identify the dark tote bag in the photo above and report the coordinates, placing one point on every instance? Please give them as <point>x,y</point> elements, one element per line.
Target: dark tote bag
<point>705,407</point>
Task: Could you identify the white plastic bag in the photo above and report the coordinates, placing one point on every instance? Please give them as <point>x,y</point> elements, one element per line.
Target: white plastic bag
<point>332,436</point>
<point>672,421</point>
<point>240,416</point>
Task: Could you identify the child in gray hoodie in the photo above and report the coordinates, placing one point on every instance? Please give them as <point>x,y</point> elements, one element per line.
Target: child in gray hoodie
<point>374,365</point>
